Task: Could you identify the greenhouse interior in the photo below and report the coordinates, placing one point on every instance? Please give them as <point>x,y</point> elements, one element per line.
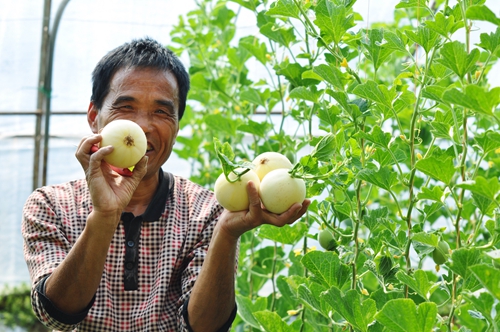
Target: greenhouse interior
<point>389,111</point>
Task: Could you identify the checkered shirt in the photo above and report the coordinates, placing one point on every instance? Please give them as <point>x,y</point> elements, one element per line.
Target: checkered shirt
<point>172,247</point>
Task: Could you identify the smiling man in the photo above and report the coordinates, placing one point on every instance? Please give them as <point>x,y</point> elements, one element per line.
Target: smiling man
<point>149,251</point>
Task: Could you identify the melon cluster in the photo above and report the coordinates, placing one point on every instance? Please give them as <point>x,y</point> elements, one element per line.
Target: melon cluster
<point>278,190</point>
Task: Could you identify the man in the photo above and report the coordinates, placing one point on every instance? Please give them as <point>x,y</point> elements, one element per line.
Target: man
<point>146,252</point>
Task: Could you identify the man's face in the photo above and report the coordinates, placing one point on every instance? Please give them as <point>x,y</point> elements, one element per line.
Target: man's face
<point>150,98</point>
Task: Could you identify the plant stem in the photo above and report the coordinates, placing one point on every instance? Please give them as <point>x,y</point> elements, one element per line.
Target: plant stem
<point>273,275</point>
<point>359,217</point>
<point>252,257</point>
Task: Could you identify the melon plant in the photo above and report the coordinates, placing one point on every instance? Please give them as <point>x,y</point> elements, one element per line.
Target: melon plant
<point>394,127</point>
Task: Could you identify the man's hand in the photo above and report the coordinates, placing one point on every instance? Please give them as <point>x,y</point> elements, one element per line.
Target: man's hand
<point>110,191</point>
<point>234,224</point>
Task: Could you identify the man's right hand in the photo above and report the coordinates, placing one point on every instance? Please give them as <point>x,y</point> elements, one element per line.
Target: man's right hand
<point>110,191</point>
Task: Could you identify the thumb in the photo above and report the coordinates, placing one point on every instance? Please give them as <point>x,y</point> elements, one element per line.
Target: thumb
<point>141,168</point>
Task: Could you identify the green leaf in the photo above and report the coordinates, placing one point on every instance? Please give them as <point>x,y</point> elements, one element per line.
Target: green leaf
<point>329,115</point>
<point>285,8</point>
<point>246,308</point>
<point>384,178</point>
<point>434,194</point>
<point>375,49</point>
<point>488,188</point>
<point>375,92</point>
<point>424,243</point>
<point>438,167</point>
<point>333,20</point>
<point>484,303</point>
<point>491,42</point>
<point>259,129</point>
<point>386,159</point>
<point>455,57</point>
<point>474,98</point>
<point>462,259</point>
<point>434,92</point>
<point>489,277</point>
<point>359,313</point>
<point>324,149</point>
<point>424,37</point>
<point>282,35</point>
<point>484,204</point>
<point>341,98</point>
<point>327,268</point>
<point>344,208</point>
<point>395,41</point>
<point>312,298</point>
<point>412,4</point>
<point>403,315</point>
<point>286,234</point>
<point>332,75</point>
<point>249,4</point>
<point>442,125</point>
<point>272,322</point>
<point>305,93</point>
<point>426,238</point>
<point>199,81</point>
<point>373,220</point>
<point>221,123</point>
<point>443,25</point>
<point>311,75</point>
<point>482,13</point>
<point>257,49</point>
<point>292,72</point>
<point>253,96</point>
<point>237,57</point>
<point>377,137</point>
<point>404,101</point>
<point>488,141</point>
<point>418,282</point>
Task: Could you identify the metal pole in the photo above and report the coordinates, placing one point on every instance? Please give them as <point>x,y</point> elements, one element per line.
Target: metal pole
<point>48,85</point>
<point>41,93</point>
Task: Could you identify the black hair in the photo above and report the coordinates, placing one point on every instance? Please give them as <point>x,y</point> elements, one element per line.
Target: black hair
<point>145,53</point>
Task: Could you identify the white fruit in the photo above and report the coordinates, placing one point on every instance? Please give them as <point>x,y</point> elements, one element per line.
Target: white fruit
<point>233,195</point>
<point>269,161</point>
<point>279,191</point>
<point>128,140</point>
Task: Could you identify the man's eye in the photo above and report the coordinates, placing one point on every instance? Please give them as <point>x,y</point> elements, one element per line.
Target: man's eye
<point>163,112</point>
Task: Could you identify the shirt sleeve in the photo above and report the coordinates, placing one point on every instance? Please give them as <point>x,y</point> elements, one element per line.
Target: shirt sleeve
<point>224,328</point>
<point>45,247</point>
<point>195,261</point>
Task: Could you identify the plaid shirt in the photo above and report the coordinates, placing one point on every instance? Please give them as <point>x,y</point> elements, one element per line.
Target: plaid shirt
<point>152,263</point>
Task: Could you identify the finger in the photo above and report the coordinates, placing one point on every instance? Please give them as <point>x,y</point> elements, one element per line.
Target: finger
<point>253,197</point>
<point>83,151</point>
<point>140,168</point>
<point>295,212</point>
<point>87,146</point>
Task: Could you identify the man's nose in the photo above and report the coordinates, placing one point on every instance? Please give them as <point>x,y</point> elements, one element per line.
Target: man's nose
<point>144,121</point>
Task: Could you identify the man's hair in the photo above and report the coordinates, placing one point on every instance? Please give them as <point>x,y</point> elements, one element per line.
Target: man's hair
<point>139,53</point>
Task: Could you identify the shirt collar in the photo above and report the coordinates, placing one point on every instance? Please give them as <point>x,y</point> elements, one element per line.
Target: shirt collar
<point>157,205</point>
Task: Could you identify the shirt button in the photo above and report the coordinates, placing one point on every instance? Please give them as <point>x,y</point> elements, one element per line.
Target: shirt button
<point>130,244</point>
<point>129,266</point>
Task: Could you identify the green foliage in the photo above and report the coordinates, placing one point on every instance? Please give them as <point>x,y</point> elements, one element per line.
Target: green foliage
<point>15,309</point>
<point>394,126</point>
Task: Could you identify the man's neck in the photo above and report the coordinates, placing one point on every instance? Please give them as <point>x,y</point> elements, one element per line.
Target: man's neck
<point>143,195</point>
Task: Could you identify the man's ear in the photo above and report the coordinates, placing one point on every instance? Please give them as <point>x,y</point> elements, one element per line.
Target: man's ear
<point>92,113</point>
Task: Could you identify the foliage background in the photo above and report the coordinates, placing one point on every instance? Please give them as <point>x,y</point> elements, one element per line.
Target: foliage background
<point>395,127</point>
